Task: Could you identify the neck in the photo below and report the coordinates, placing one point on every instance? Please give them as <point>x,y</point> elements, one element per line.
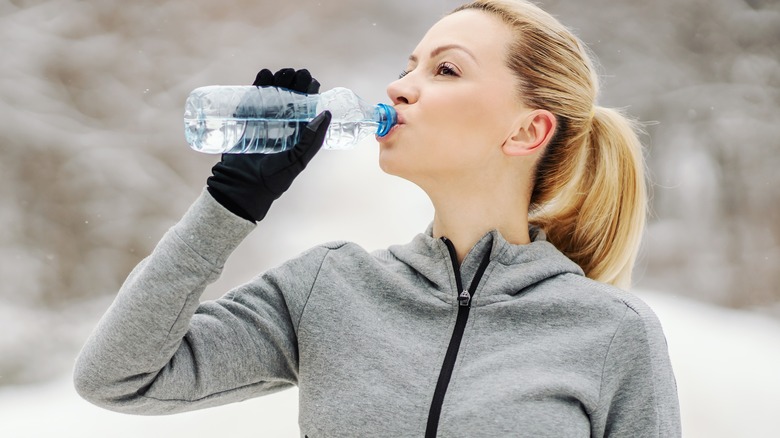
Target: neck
<point>465,217</point>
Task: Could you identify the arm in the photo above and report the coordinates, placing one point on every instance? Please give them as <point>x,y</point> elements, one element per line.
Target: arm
<point>157,351</point>
<point>638,391</point>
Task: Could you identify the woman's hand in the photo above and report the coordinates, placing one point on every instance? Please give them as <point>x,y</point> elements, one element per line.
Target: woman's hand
<point>247,184</point>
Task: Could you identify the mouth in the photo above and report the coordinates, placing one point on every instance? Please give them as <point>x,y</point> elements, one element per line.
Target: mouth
<point>400,121</point>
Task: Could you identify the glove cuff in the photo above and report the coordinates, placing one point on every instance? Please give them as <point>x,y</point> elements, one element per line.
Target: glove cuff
<point>231,206</point>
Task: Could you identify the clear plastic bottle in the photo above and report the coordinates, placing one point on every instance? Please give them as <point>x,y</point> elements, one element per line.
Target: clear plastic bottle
<point>249,119</point>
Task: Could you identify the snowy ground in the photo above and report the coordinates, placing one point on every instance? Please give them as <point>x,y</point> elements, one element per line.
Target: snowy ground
<point>727,365</point>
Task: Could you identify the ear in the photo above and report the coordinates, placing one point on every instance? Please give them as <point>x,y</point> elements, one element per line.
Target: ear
<point>531,134</point>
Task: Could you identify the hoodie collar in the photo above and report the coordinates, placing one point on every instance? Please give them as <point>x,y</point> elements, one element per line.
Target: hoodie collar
<point>512,267</point>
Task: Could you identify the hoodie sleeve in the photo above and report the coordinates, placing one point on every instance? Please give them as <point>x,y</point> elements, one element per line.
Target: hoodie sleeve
<point>638,395</point>
<point>157,350</point>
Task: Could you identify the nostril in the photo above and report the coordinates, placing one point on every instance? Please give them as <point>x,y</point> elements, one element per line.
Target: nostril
<point>403,100</point>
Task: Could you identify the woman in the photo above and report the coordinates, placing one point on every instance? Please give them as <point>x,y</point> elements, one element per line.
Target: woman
<point>499,320</point>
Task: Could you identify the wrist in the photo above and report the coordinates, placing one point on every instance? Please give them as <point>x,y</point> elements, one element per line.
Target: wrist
<point>229,205</point>
<point>210,230</point>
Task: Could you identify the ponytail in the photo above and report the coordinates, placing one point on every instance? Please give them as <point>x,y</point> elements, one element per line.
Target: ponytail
<point>590,197</point>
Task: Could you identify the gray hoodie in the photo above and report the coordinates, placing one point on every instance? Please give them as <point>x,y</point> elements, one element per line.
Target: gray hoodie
<point>513,342</point>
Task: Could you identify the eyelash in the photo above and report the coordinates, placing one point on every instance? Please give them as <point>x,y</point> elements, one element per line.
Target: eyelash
<point>448,67</point>
<point>439,70</point>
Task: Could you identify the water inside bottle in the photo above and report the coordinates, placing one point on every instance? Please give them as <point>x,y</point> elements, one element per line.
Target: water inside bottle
<point>268,135</point>
<point>240,135</point>
<point>234,135</point>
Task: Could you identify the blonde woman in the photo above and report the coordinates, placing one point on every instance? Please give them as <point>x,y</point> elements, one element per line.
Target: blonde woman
<point>506,317</point>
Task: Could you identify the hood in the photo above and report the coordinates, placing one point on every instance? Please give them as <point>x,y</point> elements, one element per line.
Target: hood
<point>512,269</point>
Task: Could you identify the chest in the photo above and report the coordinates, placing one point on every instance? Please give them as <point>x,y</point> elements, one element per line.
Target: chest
<point>374,364</point>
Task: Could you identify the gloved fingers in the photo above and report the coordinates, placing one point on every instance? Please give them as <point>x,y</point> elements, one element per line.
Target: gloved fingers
<point>295,160</point>
<point>314,87</point>
<point>301,81</point>
<point>284,78</point>
<point>312,138</point>
<point>264,78</point>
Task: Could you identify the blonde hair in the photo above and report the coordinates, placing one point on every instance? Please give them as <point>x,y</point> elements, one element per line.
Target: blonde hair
<point>589,193</point>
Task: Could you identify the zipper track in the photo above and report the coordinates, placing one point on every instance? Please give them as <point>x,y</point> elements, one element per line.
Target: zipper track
<point>464,301</point>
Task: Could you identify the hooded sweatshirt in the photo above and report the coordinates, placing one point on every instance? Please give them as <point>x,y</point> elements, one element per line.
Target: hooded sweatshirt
<point>402,342</point>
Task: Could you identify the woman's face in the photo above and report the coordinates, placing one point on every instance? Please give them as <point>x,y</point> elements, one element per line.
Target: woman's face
<point>457,103</point>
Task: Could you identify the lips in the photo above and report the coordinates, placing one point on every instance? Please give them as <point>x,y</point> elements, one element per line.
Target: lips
<point>400,120</point>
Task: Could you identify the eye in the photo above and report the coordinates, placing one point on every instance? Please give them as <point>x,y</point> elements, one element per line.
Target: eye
<point>403,73</point>
<point>446,69</point>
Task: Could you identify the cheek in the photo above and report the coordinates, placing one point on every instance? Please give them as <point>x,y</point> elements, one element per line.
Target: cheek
<point>466,128</point>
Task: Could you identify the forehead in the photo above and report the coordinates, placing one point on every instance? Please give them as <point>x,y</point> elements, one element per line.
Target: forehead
<point>482,33</point>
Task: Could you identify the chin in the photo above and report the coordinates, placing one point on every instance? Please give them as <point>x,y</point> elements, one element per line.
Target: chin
<point>386,160</point>
<point>394,163</point>
<point>404,159</point>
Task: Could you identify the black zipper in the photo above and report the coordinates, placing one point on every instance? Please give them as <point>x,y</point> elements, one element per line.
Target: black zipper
<point>464,305</point>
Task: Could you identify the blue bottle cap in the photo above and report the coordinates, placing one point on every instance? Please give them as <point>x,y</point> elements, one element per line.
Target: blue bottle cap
<point>387,117</point>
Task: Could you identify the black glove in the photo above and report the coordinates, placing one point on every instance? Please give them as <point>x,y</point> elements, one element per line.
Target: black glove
<point>247,184</point>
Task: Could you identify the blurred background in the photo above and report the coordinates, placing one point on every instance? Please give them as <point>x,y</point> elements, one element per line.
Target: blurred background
<point>94,167</point>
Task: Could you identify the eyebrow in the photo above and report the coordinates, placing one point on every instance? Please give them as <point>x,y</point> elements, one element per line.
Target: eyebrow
<point>437,51</point>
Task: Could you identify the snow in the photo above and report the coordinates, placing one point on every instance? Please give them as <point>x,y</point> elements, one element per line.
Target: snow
<point>55,410</point>
<point>726,363</point>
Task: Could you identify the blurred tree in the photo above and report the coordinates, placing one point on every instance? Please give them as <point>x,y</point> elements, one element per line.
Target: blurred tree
<point>724,112</point>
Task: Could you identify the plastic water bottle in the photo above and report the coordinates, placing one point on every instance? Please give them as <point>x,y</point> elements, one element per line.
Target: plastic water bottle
<point>248,119</point>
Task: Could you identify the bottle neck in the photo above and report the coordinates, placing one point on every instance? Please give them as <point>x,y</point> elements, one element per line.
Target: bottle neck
<point>387,118</point>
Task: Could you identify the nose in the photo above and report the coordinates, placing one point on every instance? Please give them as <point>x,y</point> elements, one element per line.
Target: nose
<point>403,90</point>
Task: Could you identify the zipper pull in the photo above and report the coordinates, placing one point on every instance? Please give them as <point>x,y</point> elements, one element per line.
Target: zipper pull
<point>464,299</point>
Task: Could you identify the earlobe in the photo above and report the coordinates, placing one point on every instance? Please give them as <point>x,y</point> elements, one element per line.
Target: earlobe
<point>532,134</point>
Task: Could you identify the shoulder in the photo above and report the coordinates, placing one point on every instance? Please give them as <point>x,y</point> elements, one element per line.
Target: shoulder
<point>612,308</point>
<point>347,249</point>
<point>338,255</point>
<point>342,251</point>
<point>606,295</point>
<point>635,339</point>
<point>349,258</point>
